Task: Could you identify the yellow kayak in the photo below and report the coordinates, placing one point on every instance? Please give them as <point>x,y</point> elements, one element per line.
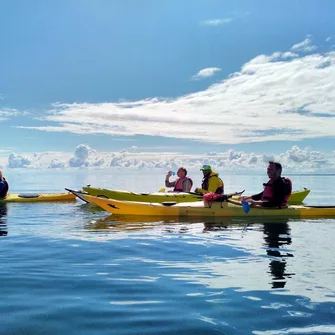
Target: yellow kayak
<point>297,197</point>
<point>205,209</point>
<point>38,197</point>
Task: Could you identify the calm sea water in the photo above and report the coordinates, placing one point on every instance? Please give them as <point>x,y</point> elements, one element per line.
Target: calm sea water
<point>67,268</point>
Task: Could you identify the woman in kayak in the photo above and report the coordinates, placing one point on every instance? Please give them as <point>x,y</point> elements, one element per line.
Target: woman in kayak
<point>182,183</point>
<point>276,191</point>
<point>3,186</point>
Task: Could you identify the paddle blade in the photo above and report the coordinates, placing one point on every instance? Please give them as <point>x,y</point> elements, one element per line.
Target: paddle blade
<point>246,206</point>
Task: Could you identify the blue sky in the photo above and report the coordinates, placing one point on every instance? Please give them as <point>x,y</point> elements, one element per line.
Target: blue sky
<point>141,67</point>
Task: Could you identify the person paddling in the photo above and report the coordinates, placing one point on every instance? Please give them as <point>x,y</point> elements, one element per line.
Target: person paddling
<point>276,191</point>
<point>182,183</point>
<point>3,186</point>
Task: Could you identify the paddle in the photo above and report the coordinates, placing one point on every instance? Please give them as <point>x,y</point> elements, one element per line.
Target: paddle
<point>229,195</point>
<point>245,205</point>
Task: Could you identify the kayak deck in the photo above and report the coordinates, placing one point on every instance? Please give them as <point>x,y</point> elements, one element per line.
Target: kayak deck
<point>297,197</point>
<point>204,209</point>
<point>38,197</point>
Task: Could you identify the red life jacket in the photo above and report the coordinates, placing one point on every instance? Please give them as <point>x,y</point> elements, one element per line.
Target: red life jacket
<point>5,189</point>
<point>178,187</point>
<point>268,190</point>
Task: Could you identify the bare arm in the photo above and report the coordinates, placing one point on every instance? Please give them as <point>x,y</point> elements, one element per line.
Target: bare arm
<point>187,186</point>
<point>169,184</point>
<point>167,181</point>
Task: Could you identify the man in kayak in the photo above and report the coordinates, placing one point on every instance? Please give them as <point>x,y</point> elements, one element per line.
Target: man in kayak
<point>182,183</point>
<point>211,181</point>
<point>276,191</point>
<point>3,186</point>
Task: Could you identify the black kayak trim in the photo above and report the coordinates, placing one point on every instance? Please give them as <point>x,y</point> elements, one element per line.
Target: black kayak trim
<point>77,194</point>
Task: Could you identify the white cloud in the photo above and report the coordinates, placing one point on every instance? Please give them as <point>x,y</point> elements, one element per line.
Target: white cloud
<point>272,98</point>
<point>306,159</point>
<point>217,22</point>
<point>207,72</point>
<point>294,160</point>
<point>56,163</point>
<point>329,38</point>
<point>305,46</point>
<point>17,161</point>
<point>6,113</point>
<point>98,162</point>
<point>288,54</point>
<point>80,157</point>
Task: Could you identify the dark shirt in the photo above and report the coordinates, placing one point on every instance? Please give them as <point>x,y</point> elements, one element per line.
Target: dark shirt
<point>3,187</point>
<point>279,191</point>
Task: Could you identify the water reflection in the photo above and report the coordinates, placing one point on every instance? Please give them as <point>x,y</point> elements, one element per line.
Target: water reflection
<point>115,223</point>
<point>272,240</point>
<point>3,220</point>
<point>277,236</point>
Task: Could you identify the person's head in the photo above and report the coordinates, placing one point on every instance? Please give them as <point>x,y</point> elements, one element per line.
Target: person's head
<point>182,172</point>
<point>0,174</point>
<point>206,170</point>
<point>274,170</point>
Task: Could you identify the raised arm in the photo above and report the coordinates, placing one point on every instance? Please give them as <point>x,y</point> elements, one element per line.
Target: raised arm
<point>167,181</point>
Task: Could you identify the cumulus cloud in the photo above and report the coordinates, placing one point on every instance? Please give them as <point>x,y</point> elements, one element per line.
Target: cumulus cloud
<point>207,72</point>
<point>80,156</point>
<point>217,22</point>
<point>305,46</point>
<point>98,162</point>
<point>307,159</point>
<point>296,159</point>
<point>17,161</point>
<point>56,163</point>
<point>270,99</point>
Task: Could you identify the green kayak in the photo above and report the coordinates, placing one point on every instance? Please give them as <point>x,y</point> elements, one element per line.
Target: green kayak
<point>297,197</point>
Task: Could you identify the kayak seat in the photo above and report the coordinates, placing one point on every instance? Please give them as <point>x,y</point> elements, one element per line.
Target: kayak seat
<point>28,195</point>
<point>168,203</point>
